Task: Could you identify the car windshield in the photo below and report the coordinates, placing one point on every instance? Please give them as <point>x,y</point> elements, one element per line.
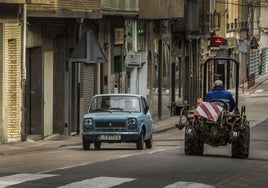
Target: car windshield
<point>115,103</point>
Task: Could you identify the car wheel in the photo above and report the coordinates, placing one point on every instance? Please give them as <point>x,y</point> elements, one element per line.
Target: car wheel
<point>86,144</point>
<point>140,141</point>
<point>149,143</point>
<point>97,145</point>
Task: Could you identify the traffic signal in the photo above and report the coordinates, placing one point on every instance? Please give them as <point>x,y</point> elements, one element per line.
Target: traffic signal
<point>216,41</point>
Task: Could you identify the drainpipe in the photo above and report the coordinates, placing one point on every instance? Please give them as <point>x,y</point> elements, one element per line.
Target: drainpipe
<point>211,15</point>
<point>160,76</point>
<point>23,73</point>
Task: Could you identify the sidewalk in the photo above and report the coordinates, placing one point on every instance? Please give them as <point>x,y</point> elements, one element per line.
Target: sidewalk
<point>243,88</point>
<point>58,141</point>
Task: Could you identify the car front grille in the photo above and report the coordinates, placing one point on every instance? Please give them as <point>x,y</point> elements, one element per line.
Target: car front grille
<point>110,124</point>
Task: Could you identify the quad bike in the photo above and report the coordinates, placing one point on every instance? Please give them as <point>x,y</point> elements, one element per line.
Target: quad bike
<point>229,128</point>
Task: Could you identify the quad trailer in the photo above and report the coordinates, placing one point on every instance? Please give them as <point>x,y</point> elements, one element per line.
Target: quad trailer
<point>227,127</point>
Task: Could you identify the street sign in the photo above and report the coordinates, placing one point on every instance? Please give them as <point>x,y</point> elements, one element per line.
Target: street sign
<point>133,60</point>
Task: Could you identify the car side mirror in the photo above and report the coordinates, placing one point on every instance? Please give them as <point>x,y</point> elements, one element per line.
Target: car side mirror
<point>146,109</point>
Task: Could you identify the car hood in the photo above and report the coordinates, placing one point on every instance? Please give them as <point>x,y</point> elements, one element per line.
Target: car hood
<point>113,116</point>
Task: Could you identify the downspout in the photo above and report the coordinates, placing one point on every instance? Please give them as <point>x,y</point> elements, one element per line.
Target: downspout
<point>23,73</point>
<point>211,17</point>
<point>160,76</point>
<point>69,101</point>
<point>197,70</point>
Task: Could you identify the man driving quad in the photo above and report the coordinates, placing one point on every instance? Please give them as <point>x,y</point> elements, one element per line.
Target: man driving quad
<point>218,92</point>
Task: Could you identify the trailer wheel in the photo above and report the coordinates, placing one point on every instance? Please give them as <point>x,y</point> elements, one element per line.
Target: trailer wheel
<point>240,147</point>
<point>192,141</point>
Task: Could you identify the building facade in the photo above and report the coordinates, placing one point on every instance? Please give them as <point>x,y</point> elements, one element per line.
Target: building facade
<point>55,55</point>
<point>11,70</point>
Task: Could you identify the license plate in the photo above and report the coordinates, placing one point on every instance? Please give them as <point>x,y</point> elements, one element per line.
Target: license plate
<point>110,137</point>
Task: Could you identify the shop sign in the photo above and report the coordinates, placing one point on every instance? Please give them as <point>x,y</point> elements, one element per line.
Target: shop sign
<point>133,60</point>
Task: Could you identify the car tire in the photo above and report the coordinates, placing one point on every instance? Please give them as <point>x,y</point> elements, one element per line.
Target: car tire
<point>97,145</point>
<point>140,141</point>
<point>149,143</point>
<point>86,144</point>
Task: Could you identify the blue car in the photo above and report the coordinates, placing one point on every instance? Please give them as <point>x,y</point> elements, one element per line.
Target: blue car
<point>115,118</point>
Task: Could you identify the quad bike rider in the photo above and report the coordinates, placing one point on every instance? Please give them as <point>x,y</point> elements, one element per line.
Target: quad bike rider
<point>213,124</point>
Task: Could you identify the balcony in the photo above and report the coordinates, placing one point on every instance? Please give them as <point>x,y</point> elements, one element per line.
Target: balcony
<point>161,9</point>
<point>64,8</point>
<point>13,1</point>
<point>116,7</point>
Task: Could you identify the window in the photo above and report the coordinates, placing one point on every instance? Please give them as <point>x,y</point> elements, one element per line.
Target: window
<point>131,36</point>
<point>117,65</point>
<point>141,32</point>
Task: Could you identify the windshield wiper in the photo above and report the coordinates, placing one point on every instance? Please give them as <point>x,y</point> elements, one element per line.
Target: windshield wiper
<point>120,109</point>
<point>101,110</point>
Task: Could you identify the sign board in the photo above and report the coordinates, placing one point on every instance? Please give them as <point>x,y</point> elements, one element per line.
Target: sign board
<point>133,60</point>
<point>88,50</point>
<point>118,36</point>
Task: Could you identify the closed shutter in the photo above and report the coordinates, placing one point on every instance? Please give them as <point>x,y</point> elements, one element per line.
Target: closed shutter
<point>88,85</point>
<point>11,83</point>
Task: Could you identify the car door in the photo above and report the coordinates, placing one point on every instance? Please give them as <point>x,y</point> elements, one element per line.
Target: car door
<point>148,118</point>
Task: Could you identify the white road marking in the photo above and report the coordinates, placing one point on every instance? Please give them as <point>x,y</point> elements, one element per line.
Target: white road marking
<point>259,91</point>
<point>188,185</point>
<point>20,178</point>
<point>99,182</point>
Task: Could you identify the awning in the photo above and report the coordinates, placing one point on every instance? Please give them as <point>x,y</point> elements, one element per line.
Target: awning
<point>88,50</point>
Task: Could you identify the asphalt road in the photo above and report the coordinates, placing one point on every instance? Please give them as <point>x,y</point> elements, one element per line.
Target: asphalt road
<point>124,166</point>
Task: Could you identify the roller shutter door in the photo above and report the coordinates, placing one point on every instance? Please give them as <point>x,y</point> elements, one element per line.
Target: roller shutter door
<point>88,85</point>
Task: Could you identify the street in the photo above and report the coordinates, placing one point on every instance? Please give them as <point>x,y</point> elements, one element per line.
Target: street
<point>165,165</point>
<point>117,164</point>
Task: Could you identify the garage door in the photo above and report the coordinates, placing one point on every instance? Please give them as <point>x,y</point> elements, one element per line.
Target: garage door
<point>88,85</point>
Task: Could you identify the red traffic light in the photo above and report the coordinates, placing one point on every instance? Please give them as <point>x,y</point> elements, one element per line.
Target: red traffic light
<point>216,41</point>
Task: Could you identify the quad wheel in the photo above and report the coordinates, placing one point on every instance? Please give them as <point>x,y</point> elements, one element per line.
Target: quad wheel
<point>192,142</point>
<point>240,146</point>
<point>86,143</point>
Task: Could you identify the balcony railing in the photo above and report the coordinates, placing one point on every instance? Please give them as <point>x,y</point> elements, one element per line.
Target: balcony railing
<point>114,6</point>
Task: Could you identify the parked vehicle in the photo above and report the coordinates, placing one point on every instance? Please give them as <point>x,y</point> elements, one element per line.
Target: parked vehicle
<point>115,118</point>
<point>226,128</point>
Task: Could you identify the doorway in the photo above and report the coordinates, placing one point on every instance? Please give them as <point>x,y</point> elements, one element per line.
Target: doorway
<point>34,92</point>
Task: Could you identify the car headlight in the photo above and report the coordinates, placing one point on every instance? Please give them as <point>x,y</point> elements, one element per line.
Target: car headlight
<point>132,123</point>
<point>88,123</point>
